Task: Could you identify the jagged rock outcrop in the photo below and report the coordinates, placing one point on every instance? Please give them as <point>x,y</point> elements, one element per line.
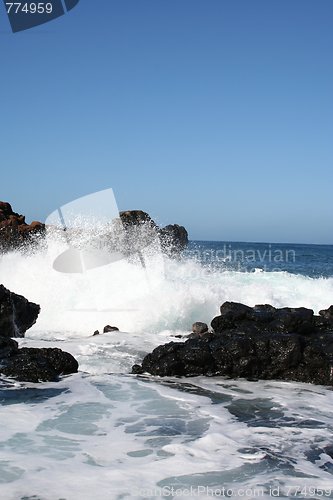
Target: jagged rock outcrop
<point>266,318</point>
<point>136,218</point>
<point>17,314</point>
<point>199,328</point>
<point>14,231</point>
<point>140,231</point>
<point>173,238</point>
<point>34,365</point>
<point>108,329</point>
<point>327,314</point>
<point>256,343</point>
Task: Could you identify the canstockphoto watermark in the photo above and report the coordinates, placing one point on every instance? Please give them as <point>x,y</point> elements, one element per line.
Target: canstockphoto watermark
<point>81,224</point>
<point>93,234</point>
<point>89,233</point>
<point>298,491</point>
<point>199,491</point>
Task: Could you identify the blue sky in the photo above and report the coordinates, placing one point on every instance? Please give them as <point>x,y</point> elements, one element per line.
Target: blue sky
<point>216,114</point>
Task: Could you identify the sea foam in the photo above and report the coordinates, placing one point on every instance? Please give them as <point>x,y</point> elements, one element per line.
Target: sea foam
<point>107,434</point>
<point>165,295</point>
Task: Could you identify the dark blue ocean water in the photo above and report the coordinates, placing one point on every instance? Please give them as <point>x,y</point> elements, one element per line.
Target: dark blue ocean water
<point>308,260</point>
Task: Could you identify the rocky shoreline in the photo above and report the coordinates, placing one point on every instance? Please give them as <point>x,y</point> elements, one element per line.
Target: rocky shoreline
<point>261,342</point>
<point>30,364</point>
<point>17,315</point>
<point>15,233</point>
<point>140,230</point>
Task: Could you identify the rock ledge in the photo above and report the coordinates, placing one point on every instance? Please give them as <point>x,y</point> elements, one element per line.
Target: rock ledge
<point>259,342</point>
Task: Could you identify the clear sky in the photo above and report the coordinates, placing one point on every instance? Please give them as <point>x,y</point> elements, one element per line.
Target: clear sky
<point>215,114</point>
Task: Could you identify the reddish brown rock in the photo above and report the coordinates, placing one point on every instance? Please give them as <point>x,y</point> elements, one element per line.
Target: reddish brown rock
<point>14,231</point>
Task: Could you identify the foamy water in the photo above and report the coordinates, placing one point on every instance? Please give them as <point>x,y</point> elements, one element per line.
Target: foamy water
<point>104,433</point>
<point>167,295</point>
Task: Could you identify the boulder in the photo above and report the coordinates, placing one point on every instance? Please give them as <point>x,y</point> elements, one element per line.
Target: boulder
<point>174,239</point>
<point>327,314</point>
<point>142,231</point>
<point>255,343</point>
<point>199,328</point>
<point>34,365</point>
<point>109,328</point>
<point>136,218</point>
<point>7,347</point>
<point>17,314</point>
<point>263,318</point>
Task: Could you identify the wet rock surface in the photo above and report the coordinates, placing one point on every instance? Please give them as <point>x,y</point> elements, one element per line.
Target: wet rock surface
<point>259,342</point>
<point>199,327</point>
<point>34,365</point>
<point>17,314</point>
<point>174,239</point>
<point>108,329</point>
<point>142,231</point>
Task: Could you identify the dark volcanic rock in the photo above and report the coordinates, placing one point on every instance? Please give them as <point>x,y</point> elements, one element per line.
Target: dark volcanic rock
<point>14,231</point>
<point>327,314</point>
<point>263,318</point>
<point>142,231</point>
<point>8,347</point>
<point>109,328</point>
<point>136,218</point>
<point>199,328</point>
<point>255,343</point>
<point>174,239</point>
<point>17,314</point>
<point>34,365</point>
<point>138,231</point>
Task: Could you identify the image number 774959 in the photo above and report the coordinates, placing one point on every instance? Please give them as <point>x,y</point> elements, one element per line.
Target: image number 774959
<point>29,8</point>
<point>29,14</point>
